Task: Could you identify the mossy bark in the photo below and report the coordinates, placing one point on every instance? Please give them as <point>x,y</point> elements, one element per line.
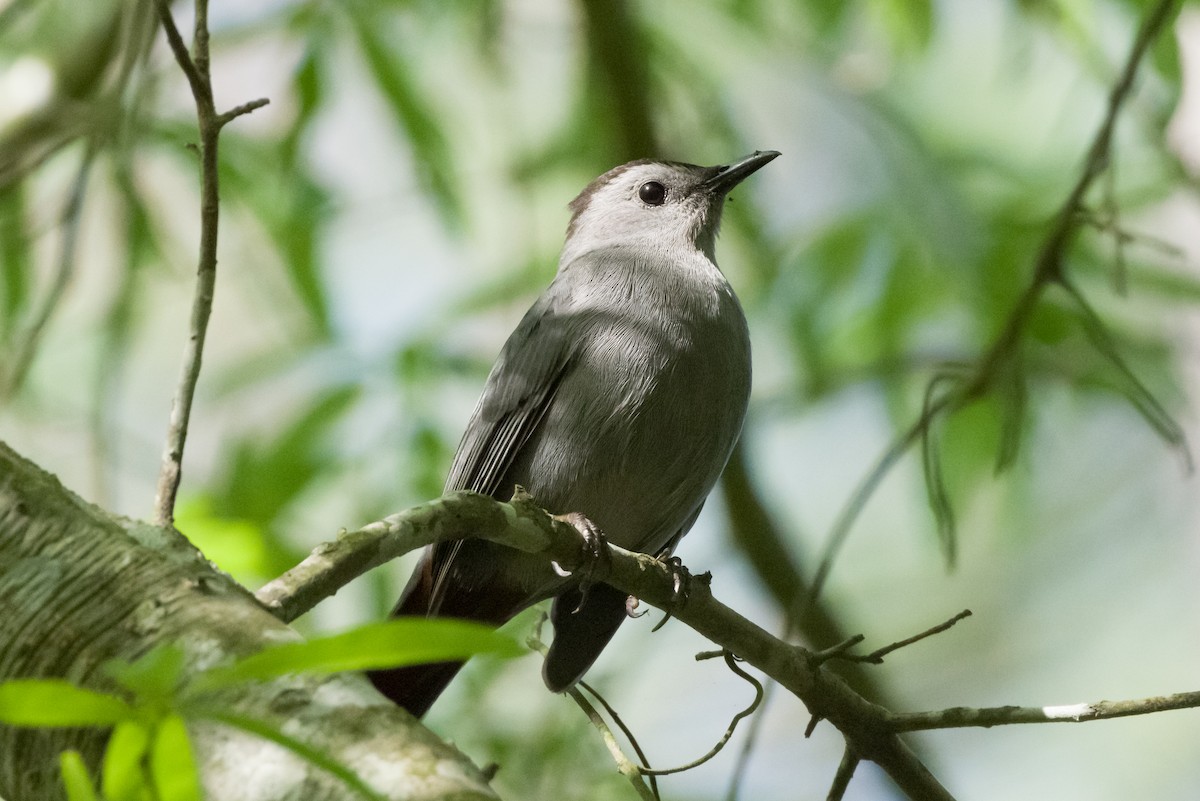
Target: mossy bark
<point>79,587</point>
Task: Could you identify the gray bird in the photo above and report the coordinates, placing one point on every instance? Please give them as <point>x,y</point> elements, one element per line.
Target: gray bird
<point>619,397</point>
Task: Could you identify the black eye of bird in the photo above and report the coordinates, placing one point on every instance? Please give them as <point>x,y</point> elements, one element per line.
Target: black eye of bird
<point>653,193</point>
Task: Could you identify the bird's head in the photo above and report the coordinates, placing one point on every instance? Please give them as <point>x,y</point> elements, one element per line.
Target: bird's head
<point>659,204</point>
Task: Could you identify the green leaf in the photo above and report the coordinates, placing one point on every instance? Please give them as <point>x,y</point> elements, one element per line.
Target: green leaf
<point>155,675</point>
<point>1012,395</point>
<point>308,86</point>
<point>76,781</point>
<point>430,453</point>
<point>1164,51</point>
<point>123,776</point>
<point>14,258</point>
<point>910,22</point>
<point>172,764</point>
<point>1051,323</point>
<point>265,478</point>
<point>392,643</point>
<point>413,112</point>
<point>47,703</point>
<point>826,17</point>
<point>935,482</point>
<point>289,201</point>
<point>236,546</point>
<point>1137,392</point>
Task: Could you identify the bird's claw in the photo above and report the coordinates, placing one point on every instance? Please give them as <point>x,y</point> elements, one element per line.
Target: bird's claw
<point>680,588</point>
<point>596,562</point>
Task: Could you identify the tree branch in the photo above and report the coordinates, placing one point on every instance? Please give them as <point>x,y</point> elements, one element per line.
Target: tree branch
<point>523,525</point>
<point>1048,269</point>
<point>195,68</point>
<point>960,717</point>
<point>845,772</point>
<point>79,588</point>
<point>625,766</point>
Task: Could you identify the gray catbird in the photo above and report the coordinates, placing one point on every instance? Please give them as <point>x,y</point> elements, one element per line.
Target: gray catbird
<point>619,396</point>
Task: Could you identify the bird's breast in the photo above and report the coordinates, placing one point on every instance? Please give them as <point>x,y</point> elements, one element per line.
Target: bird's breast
<point>645,420</point>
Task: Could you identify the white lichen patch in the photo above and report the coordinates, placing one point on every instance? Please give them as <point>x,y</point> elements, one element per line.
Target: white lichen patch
<point>417,776</point>
<point>1067,712</point>
<point>347,691</point>
<point>236,766</point>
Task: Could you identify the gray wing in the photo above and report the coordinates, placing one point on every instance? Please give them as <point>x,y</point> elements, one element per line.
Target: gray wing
<point>519,390</point>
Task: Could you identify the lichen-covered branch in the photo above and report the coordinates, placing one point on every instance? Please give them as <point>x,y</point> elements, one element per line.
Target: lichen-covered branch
<point>961,716</point>
<point>79,588</point>
<point>523,525</point>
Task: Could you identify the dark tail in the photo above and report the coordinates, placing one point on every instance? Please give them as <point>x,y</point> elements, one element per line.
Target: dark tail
<point>583,625</point>
<point>416,687</point>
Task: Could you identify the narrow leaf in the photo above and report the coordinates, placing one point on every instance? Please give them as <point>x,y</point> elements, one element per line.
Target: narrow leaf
<point>413,113</point>
<point>172,764</point>
<point>1012,395</point>
<point>76,781</point>
<point>392,643</point>
<point>58,703</point>
<point>14,258</point>
<point>123,777</point>
<point>935,483</point>
<point>154,675</point>
<point>262,479</point>
<point>1138,394</point>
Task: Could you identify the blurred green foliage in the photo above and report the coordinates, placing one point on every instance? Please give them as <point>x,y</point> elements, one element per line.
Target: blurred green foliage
<point>934,165</point>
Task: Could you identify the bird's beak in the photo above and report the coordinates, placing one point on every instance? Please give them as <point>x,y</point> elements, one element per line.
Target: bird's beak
<point>727,177</point>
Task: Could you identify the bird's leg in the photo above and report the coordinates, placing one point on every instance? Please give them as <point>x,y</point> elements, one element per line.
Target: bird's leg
<point>597,561</point>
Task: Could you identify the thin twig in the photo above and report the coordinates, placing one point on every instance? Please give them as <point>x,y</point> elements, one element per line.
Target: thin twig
<point>195,67</point>
<point>835,651</point>
<point>960,717</point>
<point>197,80</point>
<point>227,117</point>
<point>731,661</point>
<point>625,765</point>
<point>741,765</point>
<point>845,772</point>
<point>876,656</point>
<point>1108,224</point>
<point>14,373</point>
<point>633,742</point>
<point>1048,269</point>
<point>849,514</point>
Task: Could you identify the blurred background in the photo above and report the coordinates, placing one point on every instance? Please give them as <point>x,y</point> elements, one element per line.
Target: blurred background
<point>390,215</point>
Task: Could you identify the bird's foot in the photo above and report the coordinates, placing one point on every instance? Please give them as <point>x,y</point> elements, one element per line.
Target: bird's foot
<point>679,594</point>
<point>596,561</point>
<point>681,585</point>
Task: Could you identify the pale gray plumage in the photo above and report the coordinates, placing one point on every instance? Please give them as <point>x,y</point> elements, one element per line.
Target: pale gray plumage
<point>619,396</point>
